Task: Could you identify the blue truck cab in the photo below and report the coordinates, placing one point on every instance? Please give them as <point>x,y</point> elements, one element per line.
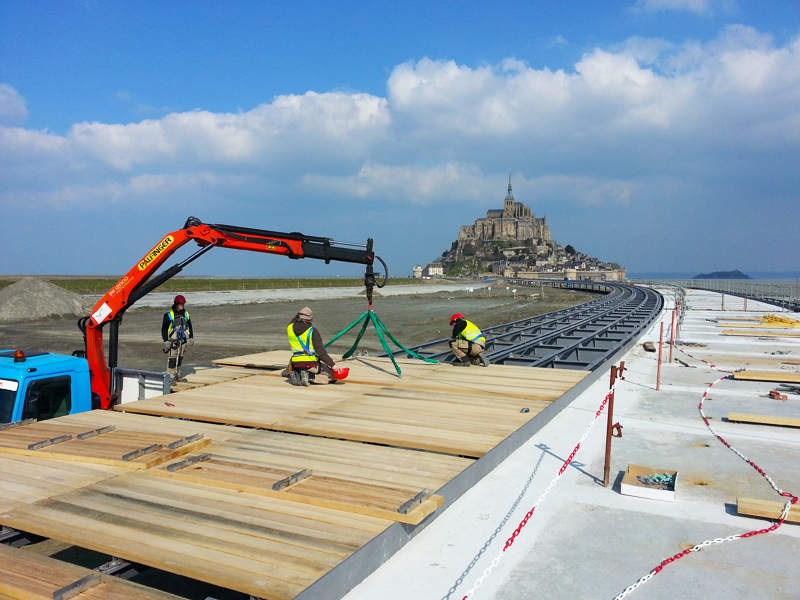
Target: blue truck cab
<point>40,385</point>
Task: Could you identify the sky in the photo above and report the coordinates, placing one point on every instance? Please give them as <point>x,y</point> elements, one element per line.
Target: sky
<point>663,135</point>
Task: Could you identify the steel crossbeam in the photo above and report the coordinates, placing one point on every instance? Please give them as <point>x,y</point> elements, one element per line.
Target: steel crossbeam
<point>581,337</point>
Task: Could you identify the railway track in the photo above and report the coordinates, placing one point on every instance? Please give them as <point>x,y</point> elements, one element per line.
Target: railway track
<point>582,337</point>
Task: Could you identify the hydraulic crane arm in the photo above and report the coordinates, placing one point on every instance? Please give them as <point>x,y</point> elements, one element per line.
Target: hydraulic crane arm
<point>140,280</point>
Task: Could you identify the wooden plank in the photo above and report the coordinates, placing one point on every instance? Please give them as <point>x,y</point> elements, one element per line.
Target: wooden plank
<point>777,376</point>
<point>25,480</point>
<point>132,422</point>
<point>249,543</point>
<point>175,557</point>
<point>25,575</point>
<point>767,509</point>
<point>760,334</point>
<point>362,498</point>
<point>108,449</point>
<point>764,419</point>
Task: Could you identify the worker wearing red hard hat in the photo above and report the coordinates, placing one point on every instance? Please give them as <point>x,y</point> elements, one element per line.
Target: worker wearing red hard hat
<point>467,342</point>
<point>177,333</point>
<point>310,362</point>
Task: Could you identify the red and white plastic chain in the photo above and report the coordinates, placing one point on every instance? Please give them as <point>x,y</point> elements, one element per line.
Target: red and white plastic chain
<point>701,360</point>
<point>496,559</point>
<point>792,500</point>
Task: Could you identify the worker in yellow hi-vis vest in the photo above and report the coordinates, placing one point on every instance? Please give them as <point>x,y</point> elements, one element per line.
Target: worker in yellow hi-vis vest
<point>177,333</point>
<point>310,362</point>
<point>467,342</point>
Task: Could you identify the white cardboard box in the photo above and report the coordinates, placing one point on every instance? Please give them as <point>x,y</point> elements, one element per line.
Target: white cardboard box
<point>631,486</point>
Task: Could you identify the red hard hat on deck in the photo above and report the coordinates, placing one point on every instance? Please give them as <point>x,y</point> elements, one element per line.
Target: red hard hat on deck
<point>180,299</point>
<point>341,373</point>
<point>456,316</point>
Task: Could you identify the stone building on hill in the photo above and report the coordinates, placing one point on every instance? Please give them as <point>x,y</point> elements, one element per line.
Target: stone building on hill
<point>513,243</point>
<point>514,222</point>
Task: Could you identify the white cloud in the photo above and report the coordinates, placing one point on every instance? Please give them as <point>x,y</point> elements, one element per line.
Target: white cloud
<point>12,106</point>
<point>449,182</point>
<point>445,133</point>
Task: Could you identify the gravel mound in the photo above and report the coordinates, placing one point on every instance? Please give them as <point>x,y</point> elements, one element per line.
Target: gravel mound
<point>31,299</point>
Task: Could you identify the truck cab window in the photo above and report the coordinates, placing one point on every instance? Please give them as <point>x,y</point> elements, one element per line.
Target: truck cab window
<point>8,394</point>
<point>48,398</point>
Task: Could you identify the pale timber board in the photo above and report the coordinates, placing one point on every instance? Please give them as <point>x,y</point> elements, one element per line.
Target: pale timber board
<point>760,325</point>
<point>764,419</point>
<point>268,401</point>
<point>355,461</point>
<point>210,376</point>
<point>256,401</point>
<point>760,334</point>
<point>28,576</point>
<point>339,493</point>
<point>106,448</point>
<point>451,441</point>
<point>96,419</point>
<point>257,545</point>
<point>777,376</point>
<point>25,479</point>
<point>767,509</point>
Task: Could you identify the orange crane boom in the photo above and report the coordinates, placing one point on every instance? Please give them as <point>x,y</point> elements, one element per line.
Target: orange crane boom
<point>140,280</point>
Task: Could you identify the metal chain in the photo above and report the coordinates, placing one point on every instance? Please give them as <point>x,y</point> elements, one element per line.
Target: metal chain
<point>502,524</point>
<point>479,582</point>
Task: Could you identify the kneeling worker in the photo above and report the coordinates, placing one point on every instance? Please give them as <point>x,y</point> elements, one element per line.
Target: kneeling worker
<point>467,342</point>
<point>310,362</point>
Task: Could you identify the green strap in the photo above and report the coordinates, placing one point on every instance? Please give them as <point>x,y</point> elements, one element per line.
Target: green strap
<point>399,345</point>
<point>349,327</point>
<point>380,329</point>
<point>349,353</point>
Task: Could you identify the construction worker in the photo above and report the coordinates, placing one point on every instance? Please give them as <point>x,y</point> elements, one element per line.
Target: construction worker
<point>310,363</point>
<point>177,333</point>
<point>467,342</point>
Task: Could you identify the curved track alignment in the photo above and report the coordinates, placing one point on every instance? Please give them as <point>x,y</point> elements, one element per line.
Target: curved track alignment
<point>582,337</point>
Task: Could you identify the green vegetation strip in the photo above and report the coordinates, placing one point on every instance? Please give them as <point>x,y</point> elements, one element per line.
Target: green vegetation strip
<point>101,286</point>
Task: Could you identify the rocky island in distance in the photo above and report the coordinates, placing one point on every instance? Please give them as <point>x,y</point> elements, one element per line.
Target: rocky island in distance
<point>736,274</point>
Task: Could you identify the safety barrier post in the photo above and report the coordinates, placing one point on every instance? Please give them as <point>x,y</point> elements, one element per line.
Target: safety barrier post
<point>660,343</point>
<point>678,324</point>
<point>615,371</point>
<point>671,336</point>
<point>723,301</point>
<point>745,301</point>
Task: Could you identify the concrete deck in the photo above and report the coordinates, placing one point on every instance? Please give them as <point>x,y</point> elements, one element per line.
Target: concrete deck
<point>587,541</point>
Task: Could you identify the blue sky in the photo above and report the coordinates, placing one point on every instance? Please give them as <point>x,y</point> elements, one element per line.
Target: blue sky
<point>660,134</point>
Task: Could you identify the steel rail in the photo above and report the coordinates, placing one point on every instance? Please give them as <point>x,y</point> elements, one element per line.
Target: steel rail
<point>581,337</point>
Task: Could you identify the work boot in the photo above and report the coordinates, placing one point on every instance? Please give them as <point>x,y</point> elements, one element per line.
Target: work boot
<point>482,360</point>
<point>464,362</point>
<point>304,378</point>
<point>294,377</point>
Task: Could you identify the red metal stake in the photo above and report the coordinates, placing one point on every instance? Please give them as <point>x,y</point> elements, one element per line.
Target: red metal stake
<point>671,336</point>
<point>609,427</point>
<point>660,343</point>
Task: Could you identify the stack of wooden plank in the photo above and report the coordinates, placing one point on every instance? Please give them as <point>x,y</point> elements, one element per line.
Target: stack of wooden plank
<point>266,512</point>
<point>432,407</point>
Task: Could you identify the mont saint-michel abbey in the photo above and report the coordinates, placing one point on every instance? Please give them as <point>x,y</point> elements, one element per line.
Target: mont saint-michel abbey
<point>513,242</point>
<point>513,222</point>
